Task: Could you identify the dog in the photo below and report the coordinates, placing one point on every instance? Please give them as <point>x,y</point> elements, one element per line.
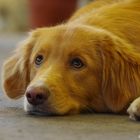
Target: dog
<point>91,63</point>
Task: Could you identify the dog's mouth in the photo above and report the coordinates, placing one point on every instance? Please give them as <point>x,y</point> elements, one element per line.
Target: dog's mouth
<point>35,110</point>
<point>39,110</point>
<point>48,110</point>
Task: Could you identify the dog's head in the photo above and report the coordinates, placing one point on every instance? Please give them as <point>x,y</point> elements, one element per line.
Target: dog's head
<point>59,70</point>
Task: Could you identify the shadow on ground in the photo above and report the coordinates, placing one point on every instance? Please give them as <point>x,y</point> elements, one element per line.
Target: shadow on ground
<point>16,125</point>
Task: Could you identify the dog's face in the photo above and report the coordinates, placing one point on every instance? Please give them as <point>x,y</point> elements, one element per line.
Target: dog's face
<point>64,68</point>
<point>59,70</point>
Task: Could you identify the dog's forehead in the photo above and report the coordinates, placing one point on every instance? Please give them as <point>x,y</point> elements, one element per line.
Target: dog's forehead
<point>63,38</point>
<point>66,34</point>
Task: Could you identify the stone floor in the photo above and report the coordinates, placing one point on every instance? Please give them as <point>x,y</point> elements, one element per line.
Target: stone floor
<point>16,125</point>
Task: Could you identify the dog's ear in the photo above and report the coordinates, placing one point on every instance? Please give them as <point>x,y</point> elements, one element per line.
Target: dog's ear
<point>121,68</point>
<point>16,72</point>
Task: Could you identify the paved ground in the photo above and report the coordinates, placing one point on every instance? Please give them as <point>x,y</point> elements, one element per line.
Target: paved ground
<point>16,125</point>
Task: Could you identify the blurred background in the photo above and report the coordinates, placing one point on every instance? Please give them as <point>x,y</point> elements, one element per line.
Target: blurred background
<point>18,16</point>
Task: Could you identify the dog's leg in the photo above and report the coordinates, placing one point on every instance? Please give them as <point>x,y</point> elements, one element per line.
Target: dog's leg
<point>134,110</point>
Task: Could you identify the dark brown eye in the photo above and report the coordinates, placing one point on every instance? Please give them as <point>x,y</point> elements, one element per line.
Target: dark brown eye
<point>39,60</point>
<point>76,63</point>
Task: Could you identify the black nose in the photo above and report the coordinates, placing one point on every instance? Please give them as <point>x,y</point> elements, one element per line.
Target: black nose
<point>37,95</point>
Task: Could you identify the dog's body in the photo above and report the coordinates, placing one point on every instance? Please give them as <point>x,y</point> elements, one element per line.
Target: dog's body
<point>90,63</point>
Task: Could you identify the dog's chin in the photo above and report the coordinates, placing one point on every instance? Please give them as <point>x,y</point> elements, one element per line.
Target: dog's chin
<point>40,113</point>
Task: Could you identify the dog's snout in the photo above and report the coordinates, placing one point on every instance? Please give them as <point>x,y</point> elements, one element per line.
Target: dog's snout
<point>37,96</point>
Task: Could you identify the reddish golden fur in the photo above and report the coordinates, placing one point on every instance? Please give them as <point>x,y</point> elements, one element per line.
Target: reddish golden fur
<point>106,35</point>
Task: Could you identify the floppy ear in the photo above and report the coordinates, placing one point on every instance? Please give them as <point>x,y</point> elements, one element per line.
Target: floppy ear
<point>120,72</point>
<point>16,72</point>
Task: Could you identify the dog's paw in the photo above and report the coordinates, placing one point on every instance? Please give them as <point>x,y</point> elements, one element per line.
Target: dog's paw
<point>134,110</point>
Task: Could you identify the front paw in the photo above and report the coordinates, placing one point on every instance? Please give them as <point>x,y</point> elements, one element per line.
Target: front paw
<point>134,110</point>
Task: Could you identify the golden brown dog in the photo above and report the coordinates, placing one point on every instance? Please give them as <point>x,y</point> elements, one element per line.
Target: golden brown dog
<point>90,63</point>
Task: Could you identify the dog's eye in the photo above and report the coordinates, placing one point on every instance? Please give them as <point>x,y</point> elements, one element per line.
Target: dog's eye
<point>39,59</point>
<point>76,63</point>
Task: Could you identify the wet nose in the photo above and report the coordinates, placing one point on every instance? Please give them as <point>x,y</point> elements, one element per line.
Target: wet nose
<point>37,95</point>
